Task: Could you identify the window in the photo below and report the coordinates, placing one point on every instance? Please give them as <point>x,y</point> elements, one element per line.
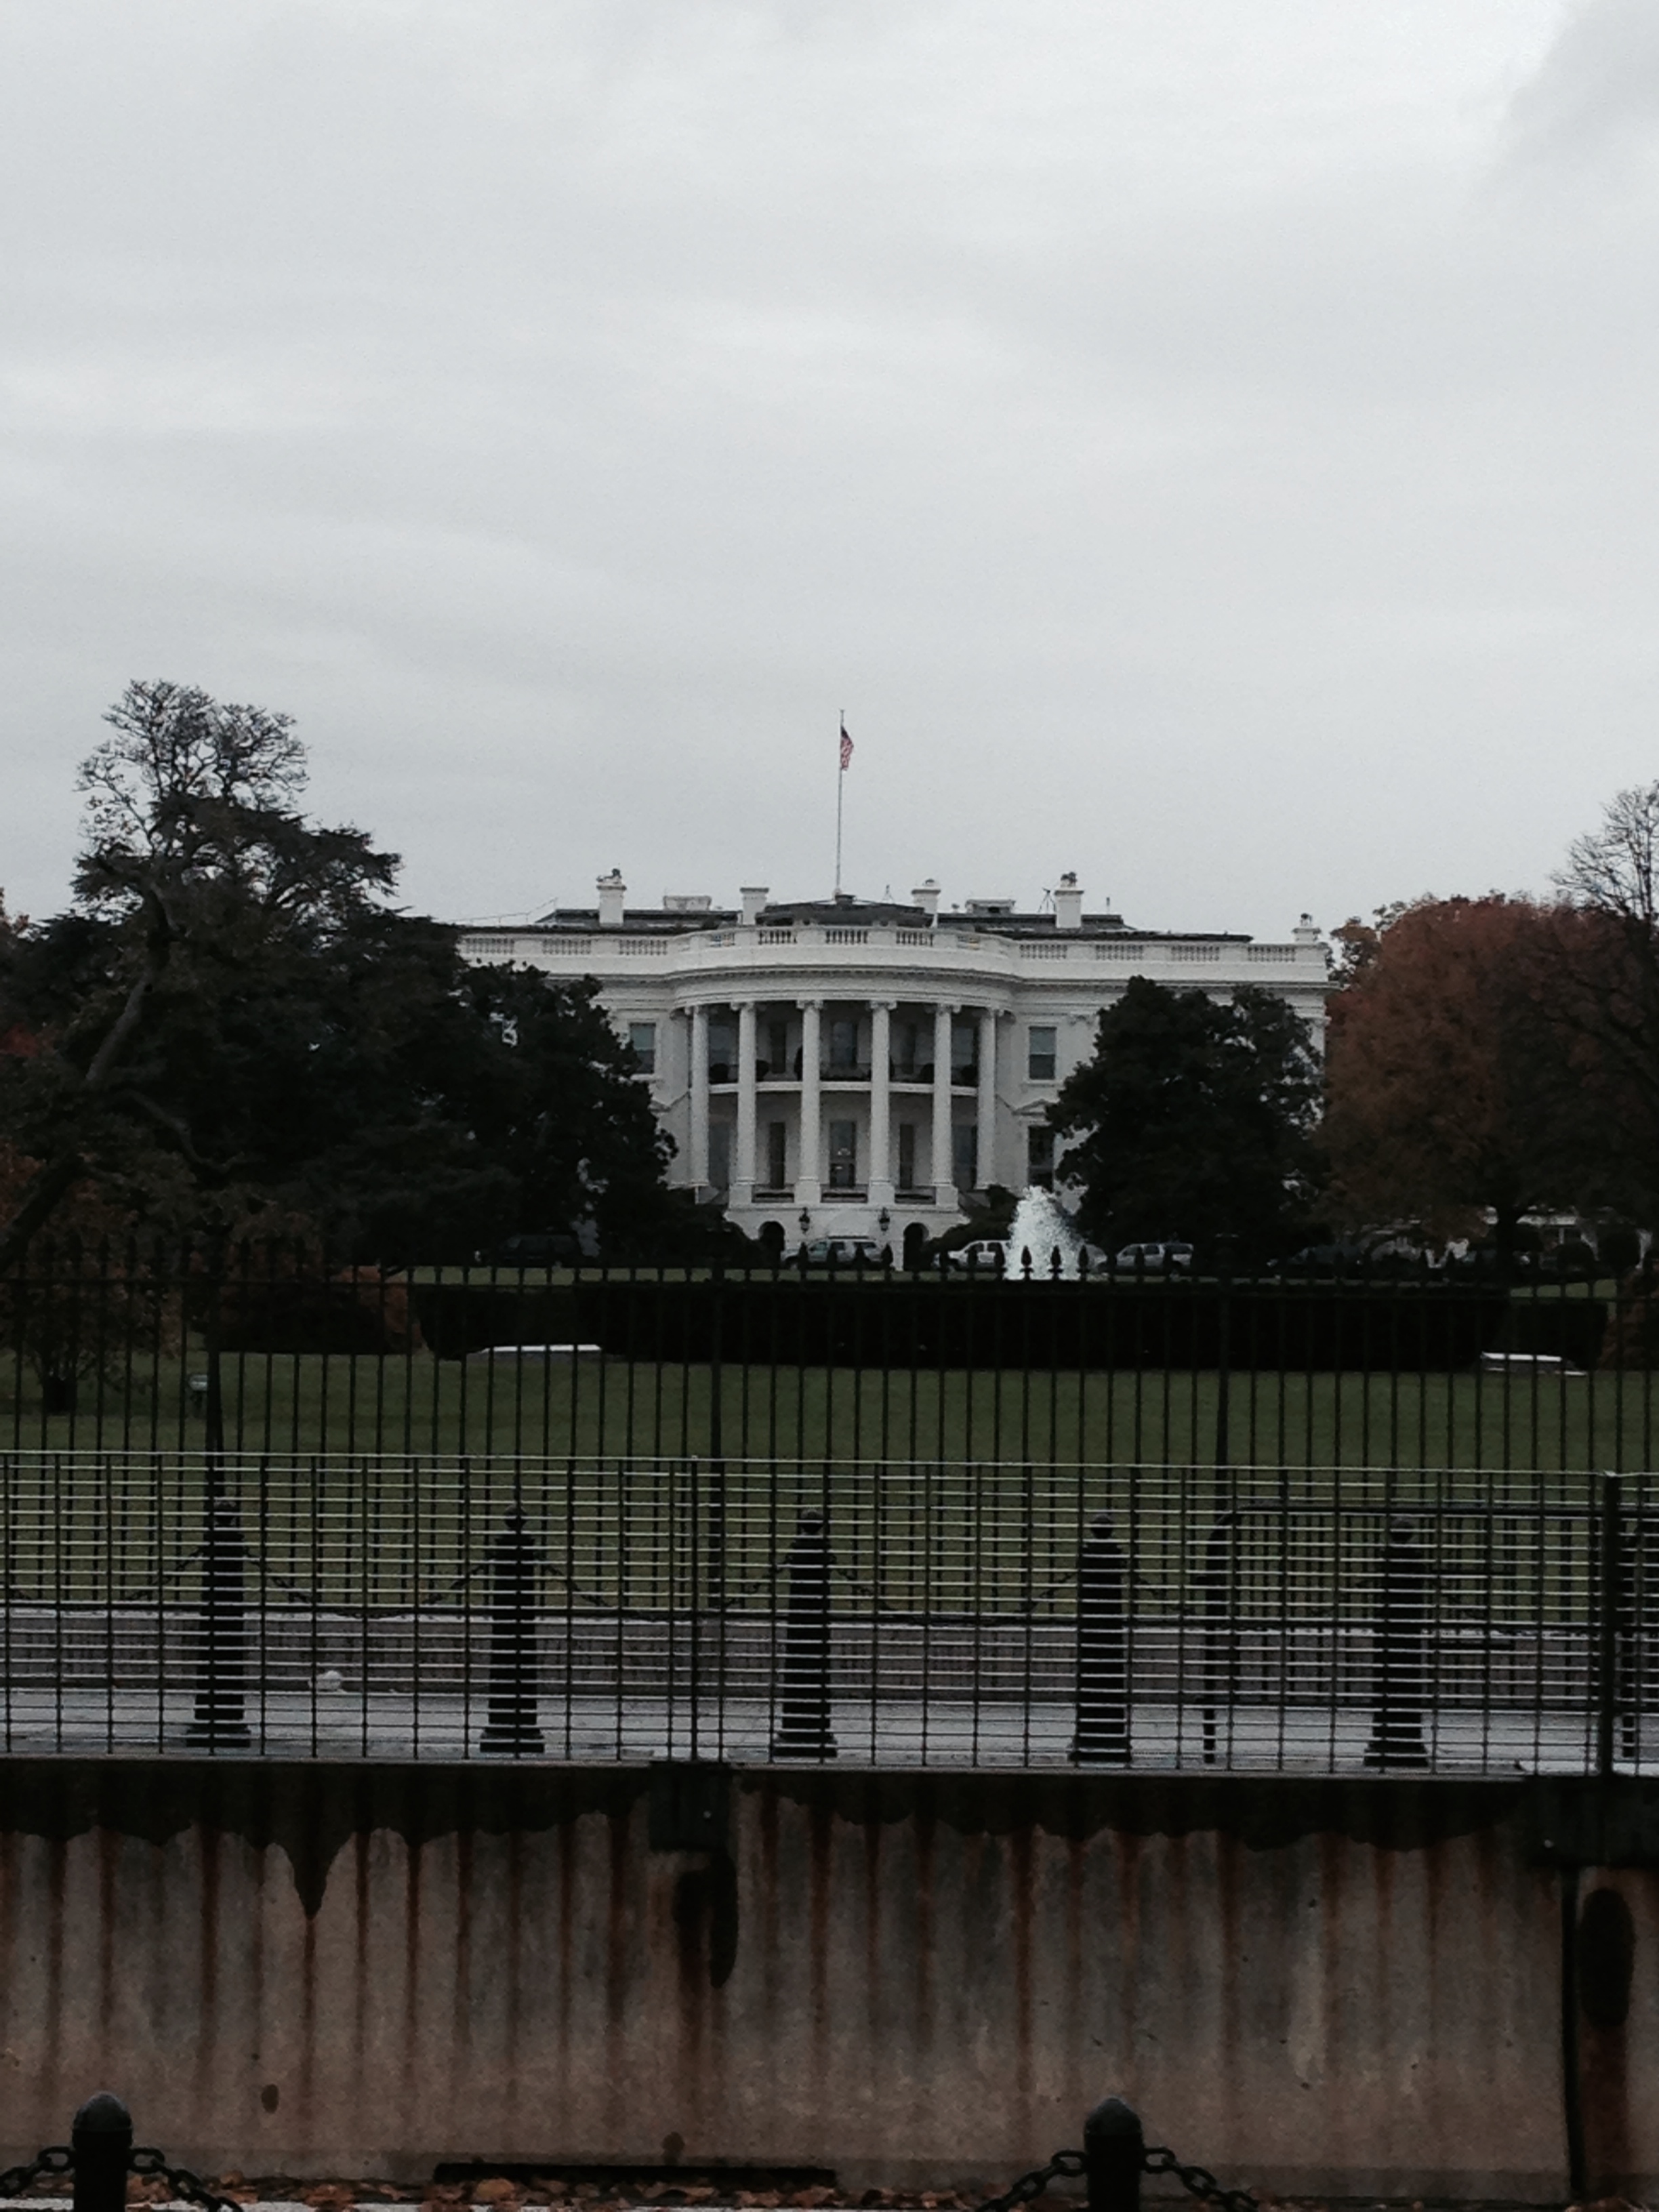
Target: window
<point>777,1155</point>
<point>965,1049</point>
<point>642,1044</point>
<point>964,1156</point>
<point>722,1050</point>
<point>843,1155</point>
<point>907,1155</point>
<point>720,1154</point>
<point>1040,1054</point>
<point>843,1045</point>
<point>777,1051</point>
<point>906,1049</point>
<point>1039,1157</point>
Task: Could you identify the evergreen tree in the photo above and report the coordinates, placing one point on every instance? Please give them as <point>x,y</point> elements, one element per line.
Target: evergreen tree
<point>234,1025</point>
<point>1192,1118</point>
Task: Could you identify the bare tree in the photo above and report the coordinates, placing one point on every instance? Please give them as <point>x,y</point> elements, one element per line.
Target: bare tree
<point>1610,994</point>
<point>1615,868</point>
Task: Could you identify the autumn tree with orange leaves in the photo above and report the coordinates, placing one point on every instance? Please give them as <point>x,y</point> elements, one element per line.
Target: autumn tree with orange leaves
<point>1454,1083</point>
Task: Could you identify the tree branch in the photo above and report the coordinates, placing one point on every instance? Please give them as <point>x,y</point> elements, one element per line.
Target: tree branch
<point>53,1183</point>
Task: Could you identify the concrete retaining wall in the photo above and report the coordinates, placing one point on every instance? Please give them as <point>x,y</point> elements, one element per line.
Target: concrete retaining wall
<point>1320,1985</point>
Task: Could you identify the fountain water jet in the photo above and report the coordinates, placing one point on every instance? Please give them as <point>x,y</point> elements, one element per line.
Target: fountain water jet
<point>1042,1226</point>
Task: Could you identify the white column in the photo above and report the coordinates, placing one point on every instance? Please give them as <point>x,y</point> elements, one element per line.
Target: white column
<point>987,1096</point>
<point>880,1185</point>
<point>699,1161</point>
<point>809,1180</point>
<point>742,1166</point>
<point>945,1191</point>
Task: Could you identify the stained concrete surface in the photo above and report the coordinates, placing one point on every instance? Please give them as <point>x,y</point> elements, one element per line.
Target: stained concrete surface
<point>1326,1986</point>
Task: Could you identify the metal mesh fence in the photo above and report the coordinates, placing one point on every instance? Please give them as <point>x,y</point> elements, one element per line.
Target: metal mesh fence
<point>991,1613</point>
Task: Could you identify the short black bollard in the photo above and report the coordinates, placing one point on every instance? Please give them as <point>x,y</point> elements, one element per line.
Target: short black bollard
<point>101,2139</point>
<point>514,1724</point>
<point>1114,2153</point>
<point>1102,1650</point>
<point>220,1720</point>
<point>1216,1581</point>
<point>1401,1673</point>
<point>804,1730</point>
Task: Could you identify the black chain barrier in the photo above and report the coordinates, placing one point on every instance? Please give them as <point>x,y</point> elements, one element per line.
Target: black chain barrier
<point>1069,2165</point>
<point>1198,2181</point>
<point>1116,2157</point>
<point>58,2159</point>
<point>100,2156</point>
<point>181,2181</point>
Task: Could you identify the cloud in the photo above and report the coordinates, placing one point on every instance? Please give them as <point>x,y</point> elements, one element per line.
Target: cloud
<point>1596,92</point>
<point>1185,449</point>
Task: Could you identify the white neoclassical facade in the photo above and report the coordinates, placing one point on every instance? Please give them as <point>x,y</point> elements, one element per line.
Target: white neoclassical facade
<point>849,1067</point>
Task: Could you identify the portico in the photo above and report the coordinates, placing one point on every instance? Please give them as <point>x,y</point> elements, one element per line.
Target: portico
<point>842,1101</point>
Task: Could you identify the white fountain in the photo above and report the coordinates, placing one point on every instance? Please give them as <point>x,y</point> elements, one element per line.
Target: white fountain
<point>1042,1226</point>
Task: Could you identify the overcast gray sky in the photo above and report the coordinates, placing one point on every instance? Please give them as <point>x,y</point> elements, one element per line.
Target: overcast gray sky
<point>1210,447</point>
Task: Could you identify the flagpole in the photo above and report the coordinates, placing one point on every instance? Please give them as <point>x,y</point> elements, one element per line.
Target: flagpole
<point>841,793</point>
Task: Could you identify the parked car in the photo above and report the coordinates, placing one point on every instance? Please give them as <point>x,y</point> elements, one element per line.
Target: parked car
<point>982,1257</point>
<point>1161,1259</point>
<point>545,1248</point>
<point>840,1252</point>
<point>1366,1262</point>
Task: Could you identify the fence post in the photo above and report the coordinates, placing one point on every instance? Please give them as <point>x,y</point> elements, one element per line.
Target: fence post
<point>1635,1625</point>
<point>1401,1633</point>
<point>101,2138</point>
<point>804,1730</point>
<point>1216,1579</point>
<point>1113,2152</point>
<point>1103,1649</point>
<point>512,1725</point>
<point>1226,1253</point>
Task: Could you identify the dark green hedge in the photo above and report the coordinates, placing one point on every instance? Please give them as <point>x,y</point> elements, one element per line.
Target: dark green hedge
<point>908,1321</point>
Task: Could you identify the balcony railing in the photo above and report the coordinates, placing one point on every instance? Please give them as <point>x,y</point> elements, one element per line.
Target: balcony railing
<point>725,1073</point>
<point>883,946</point>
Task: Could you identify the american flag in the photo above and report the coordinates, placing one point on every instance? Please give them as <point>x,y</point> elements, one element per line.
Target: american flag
<point>846,748</point>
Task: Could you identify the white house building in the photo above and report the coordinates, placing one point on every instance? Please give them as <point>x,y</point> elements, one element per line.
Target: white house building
<point>859,1067</point>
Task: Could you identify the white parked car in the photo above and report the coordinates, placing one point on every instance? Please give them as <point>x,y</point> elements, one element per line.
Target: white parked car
<point>1153,1259</point>
<point>983,1256</point>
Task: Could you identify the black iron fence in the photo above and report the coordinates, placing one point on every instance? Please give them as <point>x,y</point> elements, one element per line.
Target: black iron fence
<point>917,1613</point>
<point>275,1349</point>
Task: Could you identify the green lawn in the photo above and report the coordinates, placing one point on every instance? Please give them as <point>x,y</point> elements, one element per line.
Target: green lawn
<point>992,1480</point>
<point>415,1404</point>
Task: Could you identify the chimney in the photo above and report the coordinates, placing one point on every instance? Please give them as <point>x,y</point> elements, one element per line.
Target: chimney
<point>1069,904</point>
<point>754,898</point>
<point>612,891</point>
<point>1306,931</point>
<point>927,897</point>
